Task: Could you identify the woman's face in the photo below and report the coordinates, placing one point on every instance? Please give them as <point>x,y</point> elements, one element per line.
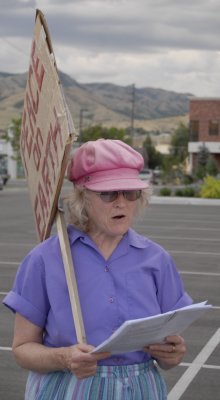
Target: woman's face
<point>109,219</point>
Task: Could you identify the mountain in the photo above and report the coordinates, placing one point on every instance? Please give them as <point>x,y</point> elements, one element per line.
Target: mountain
<point>102,103</point>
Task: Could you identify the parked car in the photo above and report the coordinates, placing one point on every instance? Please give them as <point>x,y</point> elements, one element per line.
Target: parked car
<point>157,172</point>
<point>147,175</point>
<point>1,183</point>
<point>5,175</point>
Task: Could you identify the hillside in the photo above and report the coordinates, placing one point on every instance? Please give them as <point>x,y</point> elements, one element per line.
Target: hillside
<point>104,103</point>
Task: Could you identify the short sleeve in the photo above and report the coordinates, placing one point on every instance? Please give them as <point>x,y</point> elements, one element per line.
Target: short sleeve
<point>171,292</point>
<point>28,296</point>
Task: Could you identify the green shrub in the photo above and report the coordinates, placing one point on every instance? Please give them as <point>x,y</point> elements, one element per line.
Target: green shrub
<point>210,189</point>
<point>165,191</point>
<point>187,179</point>
<point>185,192</point>
<point>179,192</point>
<point>200,172</point>
<point>188,192</point>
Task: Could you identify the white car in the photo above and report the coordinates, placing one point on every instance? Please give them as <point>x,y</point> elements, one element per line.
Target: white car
<point>147,175</point>
<point>1,183</point>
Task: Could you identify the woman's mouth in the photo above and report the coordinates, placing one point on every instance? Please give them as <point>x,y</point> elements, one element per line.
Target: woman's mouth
<point>120,216</point>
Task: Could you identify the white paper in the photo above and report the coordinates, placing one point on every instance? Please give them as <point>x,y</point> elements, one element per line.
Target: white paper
<point>133,335</point>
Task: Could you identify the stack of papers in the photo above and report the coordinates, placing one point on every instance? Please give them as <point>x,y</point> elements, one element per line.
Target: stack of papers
<point>133,335</point>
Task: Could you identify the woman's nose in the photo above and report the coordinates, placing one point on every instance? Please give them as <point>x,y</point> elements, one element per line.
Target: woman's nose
<point>120,199</point>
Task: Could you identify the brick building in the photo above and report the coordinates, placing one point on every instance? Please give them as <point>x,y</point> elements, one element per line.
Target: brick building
<point>204,116</point>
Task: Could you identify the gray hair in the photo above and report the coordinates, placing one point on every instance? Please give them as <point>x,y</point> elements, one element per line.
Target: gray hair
<point>75,206</point>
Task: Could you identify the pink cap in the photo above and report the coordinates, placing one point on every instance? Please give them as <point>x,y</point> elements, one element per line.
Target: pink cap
<point>105,165</point>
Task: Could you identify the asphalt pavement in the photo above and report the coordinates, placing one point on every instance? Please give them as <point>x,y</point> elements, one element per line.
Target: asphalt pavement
<point>189,230</point>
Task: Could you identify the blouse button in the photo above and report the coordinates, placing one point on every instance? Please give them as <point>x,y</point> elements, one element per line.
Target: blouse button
<point>111,299</point>
<point>106,269</point>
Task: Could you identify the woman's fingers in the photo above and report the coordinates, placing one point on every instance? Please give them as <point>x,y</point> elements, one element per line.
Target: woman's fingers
<point>170,353</point>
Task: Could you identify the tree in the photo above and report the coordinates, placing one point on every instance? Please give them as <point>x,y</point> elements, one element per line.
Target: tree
<point>203,156</point>
<point>137,131</point>
<point>205,163</point>
<point>13,137</point>
<point>212,167</point>
<point>152,157</point>
<point>99,132</point>
<point>179,143</point>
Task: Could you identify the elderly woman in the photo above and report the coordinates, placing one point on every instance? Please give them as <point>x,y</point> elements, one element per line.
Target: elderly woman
<point>120,274</point>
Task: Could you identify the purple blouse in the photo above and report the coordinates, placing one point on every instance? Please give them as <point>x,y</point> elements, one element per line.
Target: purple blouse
<point>138,280</point>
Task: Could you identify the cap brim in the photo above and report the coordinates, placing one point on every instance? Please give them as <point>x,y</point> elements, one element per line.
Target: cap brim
<point>116,179</point>
<point>117,184</point>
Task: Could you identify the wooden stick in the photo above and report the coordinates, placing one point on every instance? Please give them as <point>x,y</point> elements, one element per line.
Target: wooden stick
<point>70,277</point>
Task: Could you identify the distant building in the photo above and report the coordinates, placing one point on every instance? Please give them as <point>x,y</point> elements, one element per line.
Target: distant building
<point>204,116</point>
<point>163,148</point>
<point>7,162</point>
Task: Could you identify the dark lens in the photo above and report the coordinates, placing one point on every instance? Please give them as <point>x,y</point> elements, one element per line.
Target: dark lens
<point>132,195</point>
<point>108,197</point>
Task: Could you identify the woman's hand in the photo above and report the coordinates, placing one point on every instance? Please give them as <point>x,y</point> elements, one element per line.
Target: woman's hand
<point>168,354</point>
<point>31,354</point>
<point>80,361</point>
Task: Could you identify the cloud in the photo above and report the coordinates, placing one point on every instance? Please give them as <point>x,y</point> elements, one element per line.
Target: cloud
<point>159,43</point>
<point>136,26</point>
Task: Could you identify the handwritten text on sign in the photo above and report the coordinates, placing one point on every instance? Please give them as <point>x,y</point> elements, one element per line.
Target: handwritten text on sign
<point>46,132</point>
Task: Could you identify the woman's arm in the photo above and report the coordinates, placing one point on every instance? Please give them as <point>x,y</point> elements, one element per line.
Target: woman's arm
<point>31,354</point>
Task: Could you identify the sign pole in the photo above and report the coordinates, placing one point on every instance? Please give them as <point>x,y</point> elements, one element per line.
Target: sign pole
<point>70,276</point>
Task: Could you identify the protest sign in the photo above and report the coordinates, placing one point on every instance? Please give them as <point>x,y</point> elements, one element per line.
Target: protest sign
<point>47,130</point>
<point>47,134</point>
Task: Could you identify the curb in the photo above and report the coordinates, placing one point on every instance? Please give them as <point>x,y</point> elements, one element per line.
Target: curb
<point>184,201</point>
<point>154,199</point>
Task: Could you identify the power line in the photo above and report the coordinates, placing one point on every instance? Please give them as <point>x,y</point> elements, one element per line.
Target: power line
<point>15,47</point>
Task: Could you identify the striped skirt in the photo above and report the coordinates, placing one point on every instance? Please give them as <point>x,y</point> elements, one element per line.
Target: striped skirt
<point>129,382</point>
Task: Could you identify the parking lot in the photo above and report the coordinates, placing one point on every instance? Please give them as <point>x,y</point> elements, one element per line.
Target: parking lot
<point>191,233</point>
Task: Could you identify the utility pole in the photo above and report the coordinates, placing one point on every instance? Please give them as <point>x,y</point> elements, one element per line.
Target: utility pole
<point>132,110</point>
<point>82,110</point>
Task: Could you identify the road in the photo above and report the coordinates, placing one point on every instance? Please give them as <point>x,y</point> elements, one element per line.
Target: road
<point>191,233</point>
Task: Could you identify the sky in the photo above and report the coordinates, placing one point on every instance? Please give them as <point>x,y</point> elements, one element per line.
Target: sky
<point>168,44</point>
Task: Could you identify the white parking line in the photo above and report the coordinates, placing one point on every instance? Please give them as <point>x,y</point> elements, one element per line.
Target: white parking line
<point>207,366</point>
<point>196,253</point>
<point>184,228</point>
<point>17,263</point>
<point>10,263</point>
<point>199,273</point>
<point>20,244</point>
<point>188,376</point>
<point>5,348</point>
<point>183,364</point>
<point>213,307</point>
<point>198,239</point>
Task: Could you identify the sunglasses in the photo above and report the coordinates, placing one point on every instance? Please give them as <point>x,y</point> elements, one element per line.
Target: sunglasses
<point>109,197</point>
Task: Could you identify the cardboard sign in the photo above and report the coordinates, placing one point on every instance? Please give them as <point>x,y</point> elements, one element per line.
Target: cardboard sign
<point>47,130</point>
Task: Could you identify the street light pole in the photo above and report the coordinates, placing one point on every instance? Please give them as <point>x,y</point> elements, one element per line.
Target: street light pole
<point>82,110</point>
<point>132,110</point>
